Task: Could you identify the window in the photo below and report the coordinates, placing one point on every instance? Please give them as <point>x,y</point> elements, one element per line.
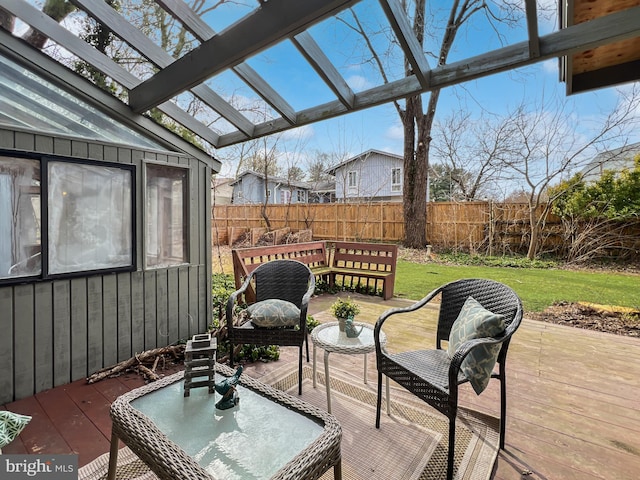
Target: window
<point>20,234</point>
<point>64,217</point>
<point>90,217</point>
<point>300,196</point>
<point>396,179</point>
<point>352,179</point>
<point>166,215</point>
<point>285,196</point>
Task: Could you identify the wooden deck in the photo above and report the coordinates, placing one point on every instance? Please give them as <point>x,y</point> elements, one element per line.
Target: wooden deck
<point>573,411</point>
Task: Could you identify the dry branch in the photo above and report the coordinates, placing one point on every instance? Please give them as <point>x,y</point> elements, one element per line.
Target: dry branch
<point>137,361</point>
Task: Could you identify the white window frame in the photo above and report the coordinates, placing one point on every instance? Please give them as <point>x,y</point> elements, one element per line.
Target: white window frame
<point>178,254</point>
<point>396,179</point>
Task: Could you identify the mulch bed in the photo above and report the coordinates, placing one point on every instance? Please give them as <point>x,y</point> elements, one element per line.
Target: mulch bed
<point>591,318</point>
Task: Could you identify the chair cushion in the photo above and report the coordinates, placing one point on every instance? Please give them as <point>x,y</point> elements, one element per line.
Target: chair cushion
<point>11,424</point>
<point>274,313</point>
<point>474,321</point>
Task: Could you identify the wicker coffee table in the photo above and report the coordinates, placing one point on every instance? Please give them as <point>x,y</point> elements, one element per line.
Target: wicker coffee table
<point>270,434</point>
<point>329,337</point>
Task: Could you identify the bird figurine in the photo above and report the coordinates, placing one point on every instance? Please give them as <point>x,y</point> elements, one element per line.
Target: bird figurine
<point>227,388</point>
<point>350,328</point>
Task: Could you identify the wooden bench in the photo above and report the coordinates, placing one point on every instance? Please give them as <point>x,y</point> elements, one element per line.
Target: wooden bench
<point>312,254</point>
<point>347,260</point>
<point>375,262</point>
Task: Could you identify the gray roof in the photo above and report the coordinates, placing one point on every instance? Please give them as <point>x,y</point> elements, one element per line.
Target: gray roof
<point>616,160</point>
<point>361,156</point>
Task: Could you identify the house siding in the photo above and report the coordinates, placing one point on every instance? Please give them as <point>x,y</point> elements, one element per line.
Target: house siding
<point>249,189</point>
<point>58,331</point>
<point>374,173</point>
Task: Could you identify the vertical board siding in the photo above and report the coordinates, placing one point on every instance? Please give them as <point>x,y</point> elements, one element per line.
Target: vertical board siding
<point>61,332</point>
<point>43,334</point>
<point>109,322</point>
<point>23,328</point>
<point>150,310</point>
<point>78,328</point>
<point>137,312</point>
<point>57,331</point>
<point>6,340</point>
<point>123,281</point>
<point>95,347</point>
<point>162,308</point>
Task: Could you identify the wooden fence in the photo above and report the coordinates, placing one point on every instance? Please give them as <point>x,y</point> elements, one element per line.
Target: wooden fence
<point>468,226</point>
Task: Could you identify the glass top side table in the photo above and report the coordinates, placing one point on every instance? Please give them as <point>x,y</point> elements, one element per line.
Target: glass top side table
<point>329,337</point>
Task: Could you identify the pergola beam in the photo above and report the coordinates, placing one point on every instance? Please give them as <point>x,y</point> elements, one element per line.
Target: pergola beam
<point>532,28</point>
<point>323,66</point>
<point>600,31</point>
<point>264,27</point>
<point>410,45</point>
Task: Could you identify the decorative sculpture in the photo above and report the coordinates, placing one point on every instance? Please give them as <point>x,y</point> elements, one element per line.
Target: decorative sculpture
<point>350,329</point>
<point>227,388</point>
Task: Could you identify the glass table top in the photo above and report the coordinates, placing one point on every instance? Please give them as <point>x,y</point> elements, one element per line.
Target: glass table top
<point>249,441</point>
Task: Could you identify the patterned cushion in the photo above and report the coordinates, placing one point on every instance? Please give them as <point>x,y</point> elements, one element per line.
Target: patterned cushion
<point>274,313</point>
<point>11,424</point>
<point>474,321</point>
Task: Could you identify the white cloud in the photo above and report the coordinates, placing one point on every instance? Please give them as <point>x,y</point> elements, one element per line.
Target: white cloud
<point>298,134</point>
<point>395,132</point>
<point>358,82</point>
<point>550,66</point>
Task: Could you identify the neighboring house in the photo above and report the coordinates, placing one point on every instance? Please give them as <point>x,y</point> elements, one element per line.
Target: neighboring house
<point>323,192</point>
<point>221,190</point>
<point>370,176</point>
<point>249,187</point>
<point>617,159</point>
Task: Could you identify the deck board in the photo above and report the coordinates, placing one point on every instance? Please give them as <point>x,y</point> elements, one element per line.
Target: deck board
<point>573,409</point>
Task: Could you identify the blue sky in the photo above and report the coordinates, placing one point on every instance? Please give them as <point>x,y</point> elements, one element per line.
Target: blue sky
<point>379,128</point>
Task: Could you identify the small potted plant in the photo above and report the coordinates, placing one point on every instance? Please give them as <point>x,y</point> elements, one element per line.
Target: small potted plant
<point>344,308</point>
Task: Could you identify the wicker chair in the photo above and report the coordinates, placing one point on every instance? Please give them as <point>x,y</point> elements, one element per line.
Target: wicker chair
<point>288,280</point>
<point>431,374</point>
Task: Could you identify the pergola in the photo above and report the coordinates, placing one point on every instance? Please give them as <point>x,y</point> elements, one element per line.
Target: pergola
<point>607,33</point>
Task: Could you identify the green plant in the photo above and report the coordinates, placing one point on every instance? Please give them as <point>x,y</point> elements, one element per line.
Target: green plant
<point>311,323</point>
<point>345,308</point>
<point>222,286</point>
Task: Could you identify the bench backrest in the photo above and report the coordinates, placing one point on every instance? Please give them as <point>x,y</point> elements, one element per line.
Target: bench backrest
<point>246,260</point>
<point>380,257</point>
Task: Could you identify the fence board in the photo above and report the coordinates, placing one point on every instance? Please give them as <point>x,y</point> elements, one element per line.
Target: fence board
<point>488,227</point>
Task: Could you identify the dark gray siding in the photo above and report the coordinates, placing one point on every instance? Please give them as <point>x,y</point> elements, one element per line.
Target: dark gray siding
<point>55,332</point>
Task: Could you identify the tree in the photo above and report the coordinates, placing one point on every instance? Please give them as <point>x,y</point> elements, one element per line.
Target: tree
<point>615,196</point>
<point>417,121</point>
<point>545,146</point>
<point>601,218</point>
<point>470,151</point>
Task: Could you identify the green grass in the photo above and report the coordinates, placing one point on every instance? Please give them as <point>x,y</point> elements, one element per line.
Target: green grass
<point>537,287</point>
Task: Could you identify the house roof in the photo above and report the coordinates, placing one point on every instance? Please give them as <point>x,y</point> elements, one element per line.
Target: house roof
<point>274,179</point>
<point>361,156</point>
<point>216,59</point>
<point>616,159</point>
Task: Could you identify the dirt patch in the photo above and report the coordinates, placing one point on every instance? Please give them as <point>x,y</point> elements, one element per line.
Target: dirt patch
<point>602,319</point>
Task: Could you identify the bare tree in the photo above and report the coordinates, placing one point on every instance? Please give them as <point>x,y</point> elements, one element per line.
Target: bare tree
<point>471,150</point>
<point>545,147</point>
<point>417,121</point>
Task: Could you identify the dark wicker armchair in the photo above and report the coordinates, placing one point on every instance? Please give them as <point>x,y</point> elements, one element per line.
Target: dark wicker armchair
<point>431,374</point>
<point>287,280</point>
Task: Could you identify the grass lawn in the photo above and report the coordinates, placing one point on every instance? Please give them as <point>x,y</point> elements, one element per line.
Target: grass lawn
<point>537,287</point>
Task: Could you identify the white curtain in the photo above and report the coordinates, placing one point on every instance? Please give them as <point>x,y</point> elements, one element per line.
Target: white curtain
<point>90,217</point>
